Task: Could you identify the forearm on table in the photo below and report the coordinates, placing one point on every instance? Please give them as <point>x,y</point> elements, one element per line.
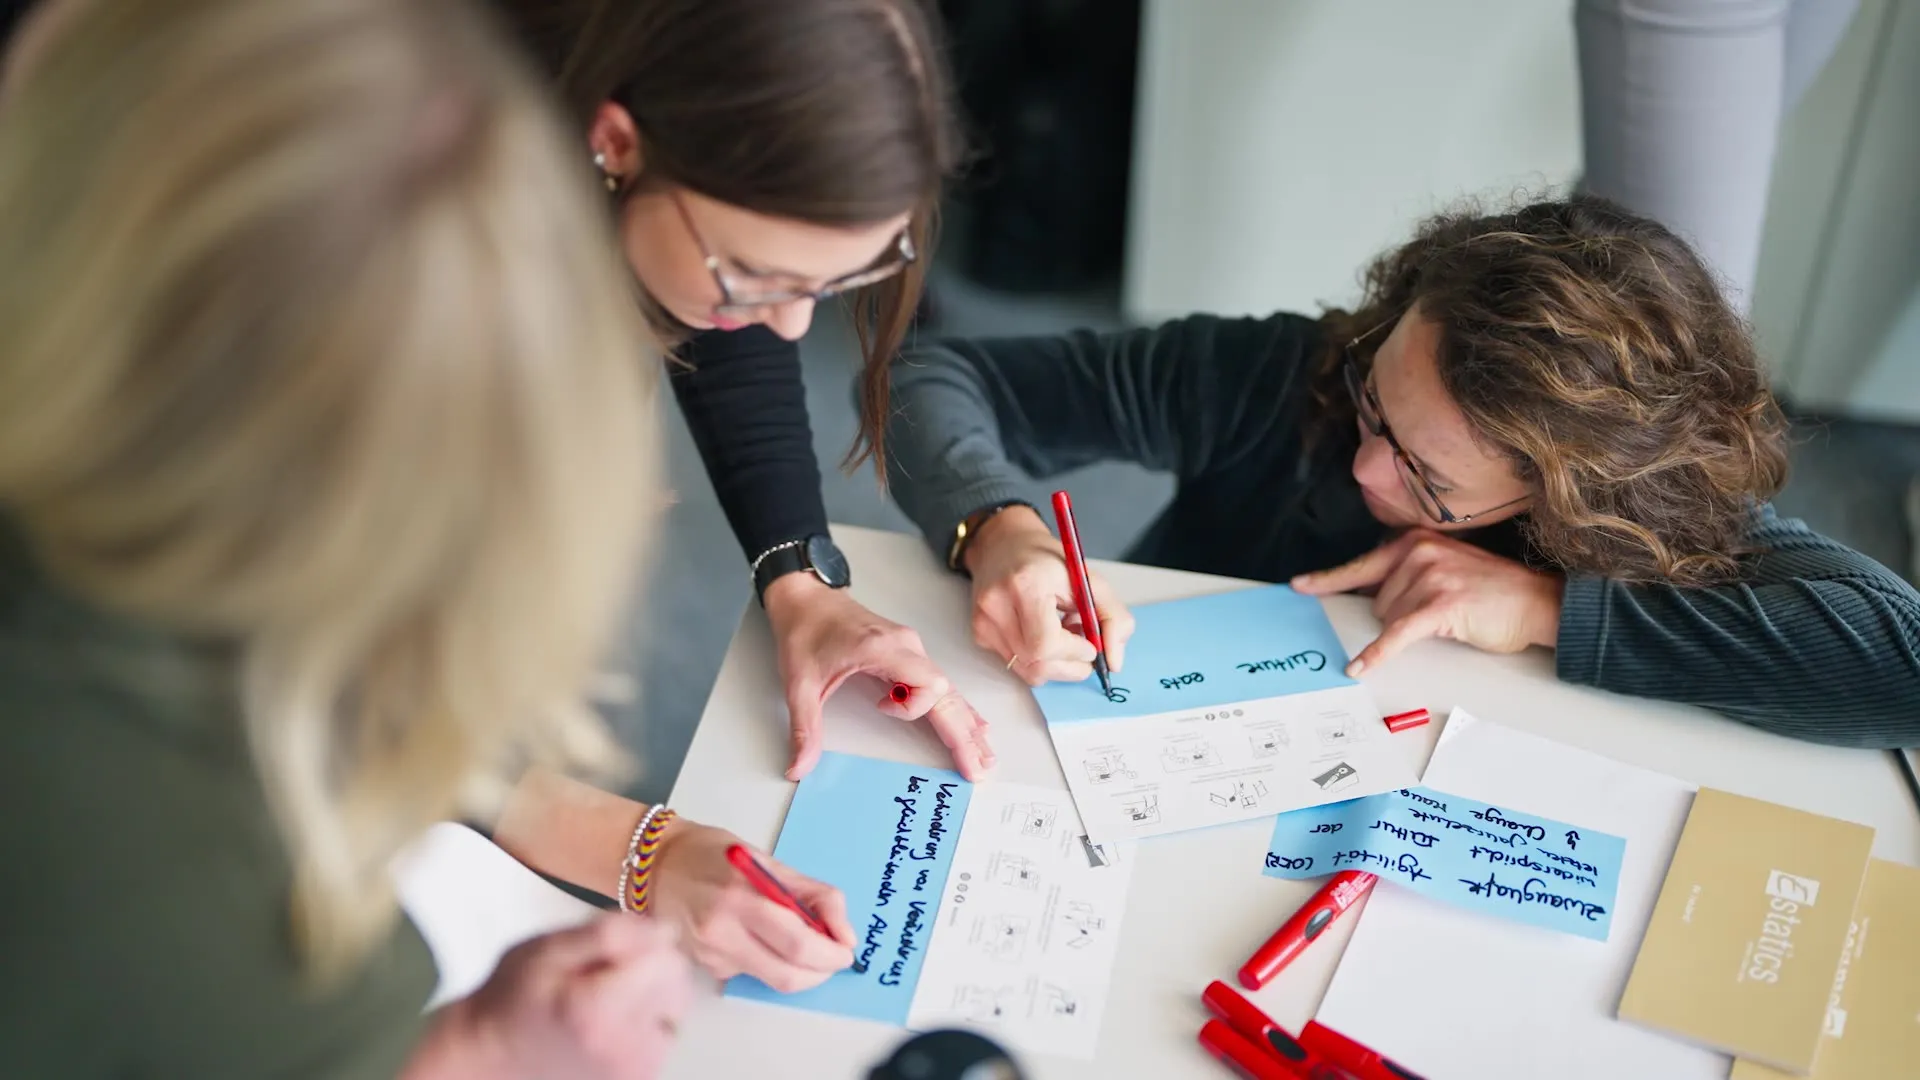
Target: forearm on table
<point>568,830</point>
<point>1826,661</point>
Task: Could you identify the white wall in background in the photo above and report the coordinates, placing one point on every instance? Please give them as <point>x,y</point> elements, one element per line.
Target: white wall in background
<point>1281,144</point>
<point>1838,302</point>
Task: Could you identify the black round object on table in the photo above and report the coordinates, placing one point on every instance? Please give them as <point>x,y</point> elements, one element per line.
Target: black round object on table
<point>947,1055</point>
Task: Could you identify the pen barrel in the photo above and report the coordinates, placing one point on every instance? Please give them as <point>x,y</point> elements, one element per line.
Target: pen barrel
<point>1341,892</point>
<point>1077,570</point>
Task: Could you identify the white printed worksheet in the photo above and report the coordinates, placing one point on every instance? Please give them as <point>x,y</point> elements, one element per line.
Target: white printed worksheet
<point>1233,706</point>
<point>1026,942</point>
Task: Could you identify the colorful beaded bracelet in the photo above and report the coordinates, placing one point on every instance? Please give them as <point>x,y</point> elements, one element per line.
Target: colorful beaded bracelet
<point>636,871</point>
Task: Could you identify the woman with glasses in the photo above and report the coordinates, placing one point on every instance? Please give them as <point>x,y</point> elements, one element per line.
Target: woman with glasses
<point>762,158</point>
<point>1542,427</point>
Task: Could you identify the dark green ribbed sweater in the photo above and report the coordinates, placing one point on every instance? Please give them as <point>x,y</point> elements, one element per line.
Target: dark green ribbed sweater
<point>1813,640</point>
<point>145,895</point>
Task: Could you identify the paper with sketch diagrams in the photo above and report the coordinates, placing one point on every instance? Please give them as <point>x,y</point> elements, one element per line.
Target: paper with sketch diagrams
<point>976,906</point>
<point>1232,706</point>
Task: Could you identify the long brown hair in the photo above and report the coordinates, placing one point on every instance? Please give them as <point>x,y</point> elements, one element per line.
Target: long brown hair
<point>833,112</point>
<point>1596,351</point>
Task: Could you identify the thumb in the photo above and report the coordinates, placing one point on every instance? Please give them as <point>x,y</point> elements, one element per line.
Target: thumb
<point>1364,572</point>
<point>804,707</point>
<point>1116,622</point>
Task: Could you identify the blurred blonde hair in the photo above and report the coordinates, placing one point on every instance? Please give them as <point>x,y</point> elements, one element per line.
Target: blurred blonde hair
<point>313,345</point>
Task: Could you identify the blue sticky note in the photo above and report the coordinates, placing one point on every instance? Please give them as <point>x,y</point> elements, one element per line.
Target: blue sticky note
<point>884,834</point>
<point>1462,851</point>
<point>1211,650</point>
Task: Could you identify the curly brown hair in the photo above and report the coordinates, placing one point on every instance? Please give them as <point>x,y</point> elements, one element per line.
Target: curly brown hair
<point>1595,350</point>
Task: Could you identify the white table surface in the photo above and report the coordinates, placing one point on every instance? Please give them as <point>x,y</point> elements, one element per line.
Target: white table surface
<point>1199,904</point>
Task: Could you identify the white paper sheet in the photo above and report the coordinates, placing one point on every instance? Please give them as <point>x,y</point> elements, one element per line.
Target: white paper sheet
<point>1026,938</point>
<point>1454,995</point>
<point>1150,775</point>
<point>472,902</point>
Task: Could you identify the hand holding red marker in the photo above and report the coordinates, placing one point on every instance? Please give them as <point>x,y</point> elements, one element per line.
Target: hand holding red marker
<point>769,886</point>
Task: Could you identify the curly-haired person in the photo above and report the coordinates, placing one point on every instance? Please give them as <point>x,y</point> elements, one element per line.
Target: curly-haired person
<point>1542,427</point>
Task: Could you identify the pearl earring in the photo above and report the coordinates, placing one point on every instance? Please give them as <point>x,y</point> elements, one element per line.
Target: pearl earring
<point>612,181</point>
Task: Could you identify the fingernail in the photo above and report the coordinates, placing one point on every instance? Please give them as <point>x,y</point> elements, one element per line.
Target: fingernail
<point>1354,669</point>
<point>1301,579</point>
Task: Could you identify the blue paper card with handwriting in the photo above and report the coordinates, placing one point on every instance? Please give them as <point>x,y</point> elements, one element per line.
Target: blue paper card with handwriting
<point>1211,650</point>
<point>1492,859</point>
<point>882,833</point>
<point>982,906</point>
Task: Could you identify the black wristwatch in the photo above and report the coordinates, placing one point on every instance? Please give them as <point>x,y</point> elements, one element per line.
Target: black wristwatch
<point>816,554</point>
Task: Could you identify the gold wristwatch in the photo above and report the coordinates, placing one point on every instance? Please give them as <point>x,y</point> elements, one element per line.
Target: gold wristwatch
<point>970,526</point>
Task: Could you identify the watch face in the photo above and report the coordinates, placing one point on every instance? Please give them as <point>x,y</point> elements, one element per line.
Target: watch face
<point>828,562</point>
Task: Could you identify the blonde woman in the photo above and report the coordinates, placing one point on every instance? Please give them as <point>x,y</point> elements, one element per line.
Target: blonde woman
<point>324,458</point>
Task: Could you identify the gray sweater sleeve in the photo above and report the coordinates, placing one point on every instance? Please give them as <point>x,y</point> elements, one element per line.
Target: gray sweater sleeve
<point>974,420</point>
<point>1815,641</point>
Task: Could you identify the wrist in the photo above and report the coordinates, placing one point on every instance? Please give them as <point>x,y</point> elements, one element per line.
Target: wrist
<point>643,857</point>
<point>459,1045</point>
<point>1013,523</point>
<point>794,592</point>
<point>1547,609</point>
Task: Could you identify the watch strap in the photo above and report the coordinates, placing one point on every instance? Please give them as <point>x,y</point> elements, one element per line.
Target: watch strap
<point>777,562</point>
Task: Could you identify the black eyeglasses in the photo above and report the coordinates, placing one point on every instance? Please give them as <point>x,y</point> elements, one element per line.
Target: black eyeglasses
<point>1367,405</point>
<point>735,302</point>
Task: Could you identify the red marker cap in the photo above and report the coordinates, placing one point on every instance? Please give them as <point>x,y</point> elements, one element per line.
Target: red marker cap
<point>1245,1017</point>
<point>1408,720</point>
<point>900,693</point>
<point>1245,1058</point>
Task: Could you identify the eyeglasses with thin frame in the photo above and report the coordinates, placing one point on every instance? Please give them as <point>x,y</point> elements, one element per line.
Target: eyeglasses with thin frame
<point>1367,404</point>
<point>735,302</point>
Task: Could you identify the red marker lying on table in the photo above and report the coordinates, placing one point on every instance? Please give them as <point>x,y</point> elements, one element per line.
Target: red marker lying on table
<point>1342,891</point>
<point>1250,1043</point>
<point>767,885</point>
<point>1082,586</point>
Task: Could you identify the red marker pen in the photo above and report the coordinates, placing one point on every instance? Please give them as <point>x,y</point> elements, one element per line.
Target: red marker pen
<point>1329,1045</point>
<point>1257,1027</point>
<point>1341,892</point>
<point>900,693</point>
<point>1412,718</point>
<point>1244,1058</point>
<point>1082,587</point>
<point>769,886</point>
